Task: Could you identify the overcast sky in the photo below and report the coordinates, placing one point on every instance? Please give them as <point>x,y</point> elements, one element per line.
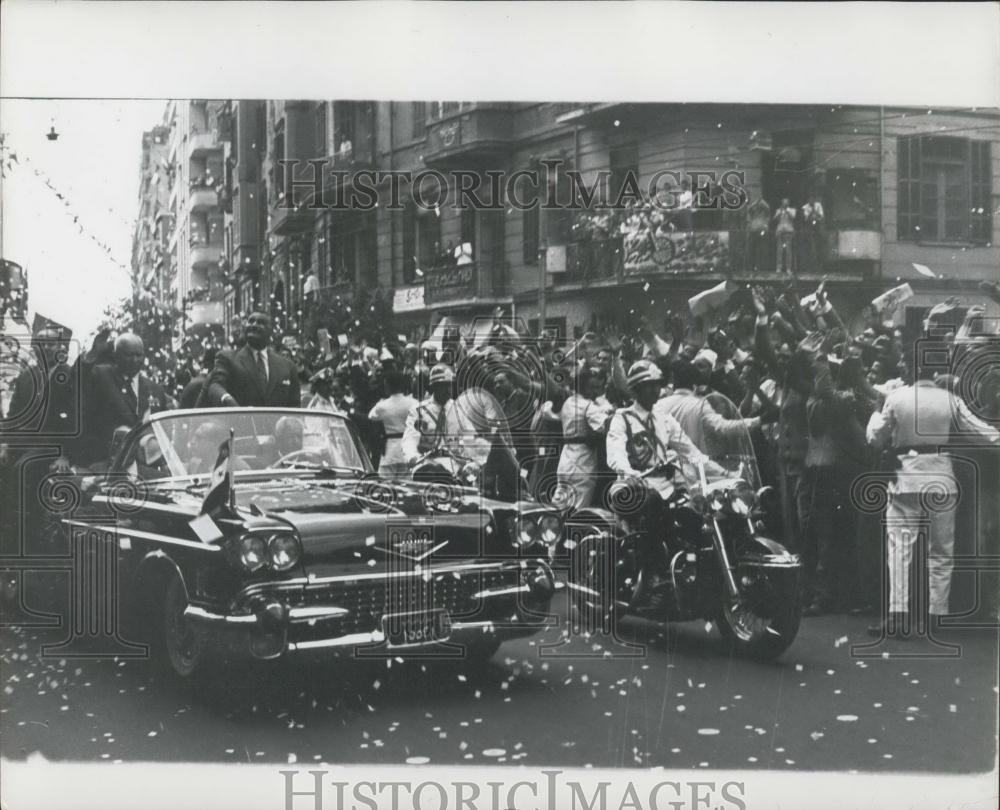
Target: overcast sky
<point>95,166</point>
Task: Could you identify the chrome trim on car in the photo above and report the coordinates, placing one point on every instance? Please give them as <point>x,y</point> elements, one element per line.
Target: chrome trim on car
<point>378,637</point>
<point>202,615</point>
<point>316,613</point>
<point>128,534</point>
<point>156,507</point>
<point>319,582</point>
<point>491,592</point>
<point>295,615</point>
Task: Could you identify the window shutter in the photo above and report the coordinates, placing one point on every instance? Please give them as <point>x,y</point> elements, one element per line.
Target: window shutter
<point>409,244</point>
<point>530,220</point>
<point>904,186</point>
<point>419,119</point>
<point>980,187</point>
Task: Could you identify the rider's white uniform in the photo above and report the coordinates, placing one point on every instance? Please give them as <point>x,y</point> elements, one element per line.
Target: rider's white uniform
<point>427,428</point>
<point>667,435</point>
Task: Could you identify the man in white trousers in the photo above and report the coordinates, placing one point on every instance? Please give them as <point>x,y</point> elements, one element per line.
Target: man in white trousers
<point>913,422</point>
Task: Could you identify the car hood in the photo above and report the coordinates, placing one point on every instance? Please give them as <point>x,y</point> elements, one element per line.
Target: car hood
<point>365,526</point>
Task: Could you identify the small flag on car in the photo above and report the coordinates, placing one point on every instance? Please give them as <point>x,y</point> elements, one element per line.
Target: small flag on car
<point>220,486</point>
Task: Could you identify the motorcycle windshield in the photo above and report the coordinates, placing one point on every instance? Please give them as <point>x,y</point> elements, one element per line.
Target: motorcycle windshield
<point>729,449</point>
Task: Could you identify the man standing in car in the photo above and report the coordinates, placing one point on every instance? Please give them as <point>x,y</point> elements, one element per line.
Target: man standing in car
<point>254,375</point>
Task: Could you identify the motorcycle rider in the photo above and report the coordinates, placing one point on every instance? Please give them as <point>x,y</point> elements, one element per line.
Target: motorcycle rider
<point>427,422</point>
<point>641,439</point>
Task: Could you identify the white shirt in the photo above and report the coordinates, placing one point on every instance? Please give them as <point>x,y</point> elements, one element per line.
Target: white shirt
<point>924,416</point>
<point>700,421</point>
<point>667,431</point>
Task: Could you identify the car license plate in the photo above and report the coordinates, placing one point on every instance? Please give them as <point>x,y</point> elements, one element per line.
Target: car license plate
<point>422,627</point>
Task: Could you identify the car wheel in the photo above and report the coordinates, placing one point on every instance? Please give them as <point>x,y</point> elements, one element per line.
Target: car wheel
<point>479,652</point>
<point>180,653</point>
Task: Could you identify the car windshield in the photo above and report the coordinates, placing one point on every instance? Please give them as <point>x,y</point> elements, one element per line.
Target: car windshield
<point>187,443</point>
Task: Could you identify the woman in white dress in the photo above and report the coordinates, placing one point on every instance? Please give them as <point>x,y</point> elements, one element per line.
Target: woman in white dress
<point>584,424</point>
<point>392,411</point>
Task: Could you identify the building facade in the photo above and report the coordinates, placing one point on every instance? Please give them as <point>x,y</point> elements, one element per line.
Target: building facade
<point>196,246</point>
<point>907,195</point>
<point>150,257</point>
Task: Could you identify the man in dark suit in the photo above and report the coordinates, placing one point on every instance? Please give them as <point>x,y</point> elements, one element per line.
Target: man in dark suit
<point>115,395</point>
<point>254,375</point>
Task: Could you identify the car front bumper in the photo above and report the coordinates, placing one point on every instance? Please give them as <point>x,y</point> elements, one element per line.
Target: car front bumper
<point>460,606</point>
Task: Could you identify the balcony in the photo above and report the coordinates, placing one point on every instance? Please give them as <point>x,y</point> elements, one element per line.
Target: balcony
<point>201,143</point>
<point>480,133</point>
<point>592,261</point>
<point>593,114</point>
<point>203,198</point>
<point>289,221</point>
<point>855,244</point>
<point>466,285</point>
<point>203,255</point>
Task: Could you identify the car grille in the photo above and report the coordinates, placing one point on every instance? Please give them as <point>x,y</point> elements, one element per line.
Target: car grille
<point>368,600</point>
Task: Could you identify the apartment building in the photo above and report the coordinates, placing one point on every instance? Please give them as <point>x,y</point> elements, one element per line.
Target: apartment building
<point>908,195</point>
<point>150,259</point>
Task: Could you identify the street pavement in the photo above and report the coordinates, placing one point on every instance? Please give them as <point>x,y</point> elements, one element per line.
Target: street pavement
<point>684,703</point>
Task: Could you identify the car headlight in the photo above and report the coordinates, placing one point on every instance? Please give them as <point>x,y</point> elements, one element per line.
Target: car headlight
<point>284,551</point>
<point>549,528</point>
<point>253,552</point>
<point>527,531</point>
<point>741,498</point>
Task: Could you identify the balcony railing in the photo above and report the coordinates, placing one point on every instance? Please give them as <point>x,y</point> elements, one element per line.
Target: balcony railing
<point>203,198</point>
<point>599,252</point>
<point>201,142</point>
<point>476,282</point>
<point>479,131</point>
<point>203,254</point>
<point>592,260</point>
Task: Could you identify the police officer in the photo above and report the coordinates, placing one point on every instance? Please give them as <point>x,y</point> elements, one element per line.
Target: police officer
<point>914,420</point>
<point>427,422</point>
<point>640,439</point>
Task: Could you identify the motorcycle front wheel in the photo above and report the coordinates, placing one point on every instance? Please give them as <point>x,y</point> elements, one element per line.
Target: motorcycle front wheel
<point>763,623</point>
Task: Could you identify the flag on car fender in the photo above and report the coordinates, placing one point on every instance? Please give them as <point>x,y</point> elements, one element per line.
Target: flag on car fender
<point>220,484</point>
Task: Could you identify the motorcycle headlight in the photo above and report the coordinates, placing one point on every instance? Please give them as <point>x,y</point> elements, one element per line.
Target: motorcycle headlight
<point>527,531</point>
<point>284,551</point>
<point>252,552</point>
<point>549,528</point>
<point>741,498</point>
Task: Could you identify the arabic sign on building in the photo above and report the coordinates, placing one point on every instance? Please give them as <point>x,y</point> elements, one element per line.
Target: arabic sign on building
<point>450,283</point>
<point>676,253</point>
<point>408,299</point>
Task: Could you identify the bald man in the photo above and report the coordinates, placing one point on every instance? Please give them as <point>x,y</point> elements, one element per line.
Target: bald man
<point>254,375</point>
<point>116,395</point>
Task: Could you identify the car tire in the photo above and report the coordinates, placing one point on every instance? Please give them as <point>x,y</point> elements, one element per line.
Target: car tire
<point>479,652</point>
<point>177,651</point>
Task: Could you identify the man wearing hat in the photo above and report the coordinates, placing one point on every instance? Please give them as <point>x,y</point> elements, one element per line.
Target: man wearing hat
<point>641,438</point>
<point>427,423</point>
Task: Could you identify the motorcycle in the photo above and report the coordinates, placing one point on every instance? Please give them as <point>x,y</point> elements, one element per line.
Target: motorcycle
<point>721,562</point>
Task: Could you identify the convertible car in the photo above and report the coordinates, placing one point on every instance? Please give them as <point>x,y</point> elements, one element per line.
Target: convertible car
<point>312,551</point>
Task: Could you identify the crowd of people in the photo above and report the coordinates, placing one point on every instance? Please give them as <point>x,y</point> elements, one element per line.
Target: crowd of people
<point>568,422</point>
